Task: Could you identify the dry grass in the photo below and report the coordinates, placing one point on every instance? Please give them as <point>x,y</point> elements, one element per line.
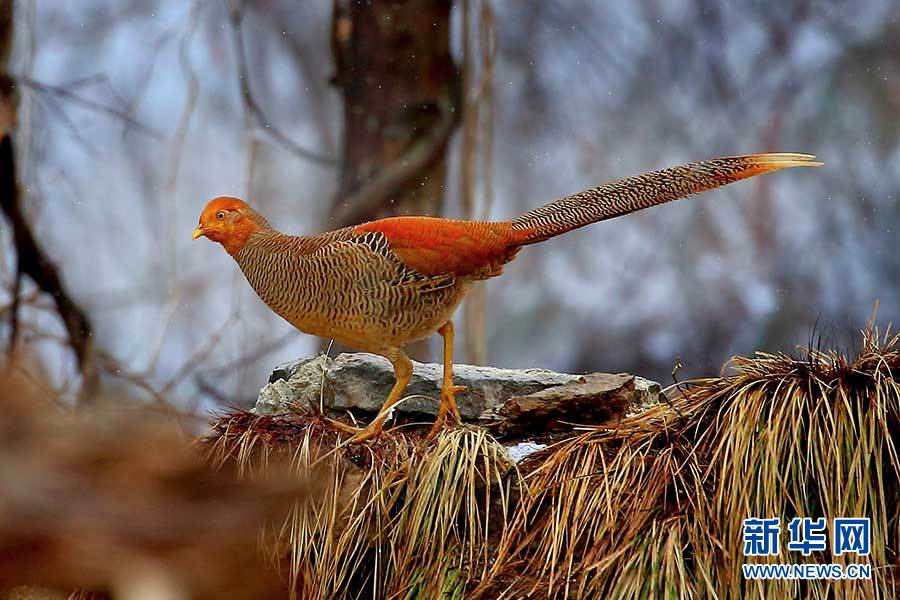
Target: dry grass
<point>333,541</point>
<point>604,515</point>
<point>456,496</point>
<point>400,518</point>
<point>654,508</point>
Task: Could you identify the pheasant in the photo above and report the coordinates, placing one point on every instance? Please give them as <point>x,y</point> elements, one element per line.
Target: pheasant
<point>381,284</point>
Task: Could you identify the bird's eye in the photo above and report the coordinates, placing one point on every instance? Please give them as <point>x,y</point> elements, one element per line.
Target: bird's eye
<point>220,215</point>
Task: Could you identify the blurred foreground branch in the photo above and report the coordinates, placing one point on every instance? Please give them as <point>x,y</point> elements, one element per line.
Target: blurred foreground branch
<point>118,500</point>
<point>31,259</point>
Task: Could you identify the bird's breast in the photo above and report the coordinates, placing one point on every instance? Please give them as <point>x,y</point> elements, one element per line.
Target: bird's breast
<point>363,301</point>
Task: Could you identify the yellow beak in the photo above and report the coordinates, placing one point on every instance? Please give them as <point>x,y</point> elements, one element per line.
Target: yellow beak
<point>197,233</point>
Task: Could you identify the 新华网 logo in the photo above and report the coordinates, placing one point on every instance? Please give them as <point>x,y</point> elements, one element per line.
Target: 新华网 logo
<point>762,538</point>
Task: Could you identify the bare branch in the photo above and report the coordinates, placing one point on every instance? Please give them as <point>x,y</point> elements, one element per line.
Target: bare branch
<point>33,261</point>
<point>256,353</point>
<point>88,103</point>
<point>236,16</point>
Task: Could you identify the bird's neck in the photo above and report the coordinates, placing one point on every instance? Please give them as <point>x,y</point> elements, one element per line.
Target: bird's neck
<point>265,243</point>
<point>272,261</point>
<point>252,224</point>
<point>272,240</point>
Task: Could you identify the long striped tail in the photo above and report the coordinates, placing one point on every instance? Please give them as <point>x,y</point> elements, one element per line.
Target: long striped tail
<point>636,193</point>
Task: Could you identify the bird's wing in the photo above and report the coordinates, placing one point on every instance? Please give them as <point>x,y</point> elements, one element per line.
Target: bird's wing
<point>365,261</point>
<point>433,246</point>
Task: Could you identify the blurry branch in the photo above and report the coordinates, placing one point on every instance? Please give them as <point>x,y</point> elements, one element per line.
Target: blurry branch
<point>468,164</point>
<point>207,388</point>
<point>6,31</point>
<point>196,359</point>
<point>488,33</point>
<point>251,139</point>
<point>193,86</point>
<point>59,112</point>
<point>256,353</point>
<point>308,66</point>
<point>141,380</point>
<point>155,50</point>
<point>184,122</point>
<point>116,368</point>
<point>62,92</point>
<point>236,14</point>
<point>18,301</point>
<point>709,21</point>
<point>475,306</point>
<point>31,259</point>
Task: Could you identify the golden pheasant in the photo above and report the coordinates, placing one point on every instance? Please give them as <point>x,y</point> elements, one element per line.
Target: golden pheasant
<point>384,283</point>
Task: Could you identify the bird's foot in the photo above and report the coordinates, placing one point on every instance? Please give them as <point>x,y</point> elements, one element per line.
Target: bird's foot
<point>448,401</point>
<point>448,413</point>
<point>444,421</point>
<point>360,434</point>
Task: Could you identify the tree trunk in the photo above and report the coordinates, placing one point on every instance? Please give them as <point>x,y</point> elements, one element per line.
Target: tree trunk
<point>401,92</point>
<point>400,88</point>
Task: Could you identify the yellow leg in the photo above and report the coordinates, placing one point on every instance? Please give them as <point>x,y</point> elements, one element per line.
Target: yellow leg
<point>403,372</point>
<point>448,411</point>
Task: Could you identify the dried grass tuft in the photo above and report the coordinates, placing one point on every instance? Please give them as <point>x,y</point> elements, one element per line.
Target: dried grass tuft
<point>654,508</point>
<point>397,518</point>
<point>456,500</point>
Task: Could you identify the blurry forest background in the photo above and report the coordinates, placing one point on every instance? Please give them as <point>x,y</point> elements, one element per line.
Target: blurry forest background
<point>133,113</point>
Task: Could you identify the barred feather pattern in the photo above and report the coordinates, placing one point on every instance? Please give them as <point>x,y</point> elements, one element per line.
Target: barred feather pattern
<point>348,287</point>
<point>657,187</point>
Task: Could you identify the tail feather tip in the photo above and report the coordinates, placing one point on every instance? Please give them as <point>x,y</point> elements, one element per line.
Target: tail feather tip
<point>785,160</point>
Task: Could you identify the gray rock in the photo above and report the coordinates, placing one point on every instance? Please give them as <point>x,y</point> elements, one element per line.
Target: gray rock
<point>293,384</point>
<point>361,382</point>
<point>595,399</point>
<point>649,395</point>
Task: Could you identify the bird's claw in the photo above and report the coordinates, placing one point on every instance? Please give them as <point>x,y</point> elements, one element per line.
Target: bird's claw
<point>447,411</point>
<point>448,401</point>
<point>442,422</point>
<point>360,434</point>
<point>453,390</point>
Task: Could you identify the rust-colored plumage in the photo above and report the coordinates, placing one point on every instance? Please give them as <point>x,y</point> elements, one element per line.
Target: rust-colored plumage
<point>435,246</point>
<point>382,284</point>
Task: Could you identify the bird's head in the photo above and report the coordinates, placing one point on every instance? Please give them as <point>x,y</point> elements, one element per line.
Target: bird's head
<point>229,221</point>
